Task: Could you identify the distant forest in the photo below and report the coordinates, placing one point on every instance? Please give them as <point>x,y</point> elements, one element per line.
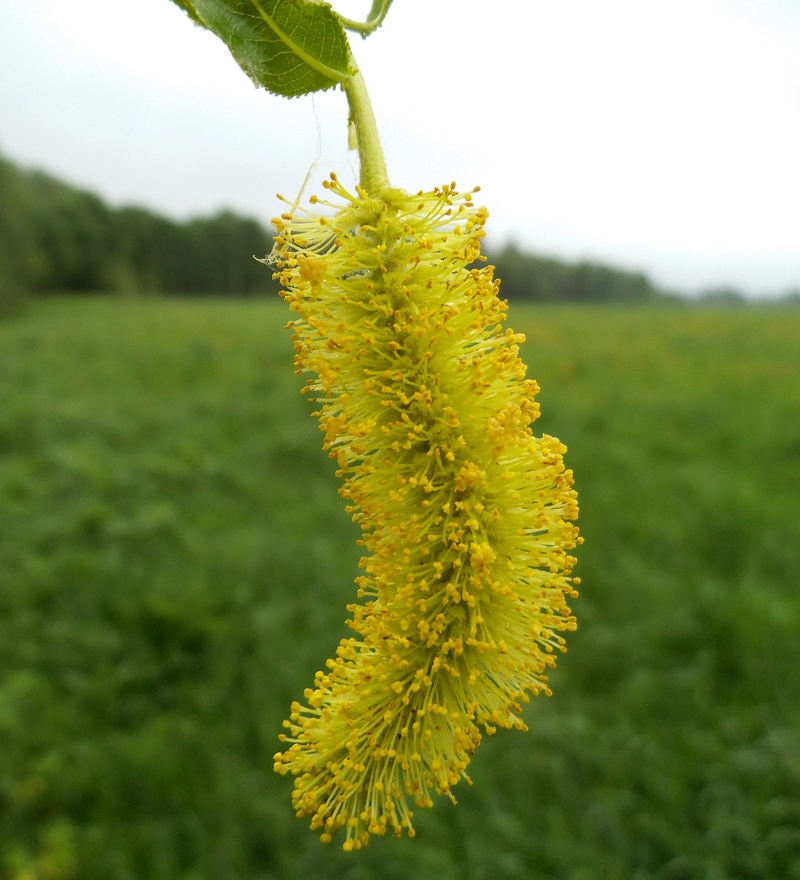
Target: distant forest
<point>57,238</point>
<point>54,237</point>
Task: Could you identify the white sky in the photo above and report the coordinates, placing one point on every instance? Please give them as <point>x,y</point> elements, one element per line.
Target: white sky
<point>662,135</point>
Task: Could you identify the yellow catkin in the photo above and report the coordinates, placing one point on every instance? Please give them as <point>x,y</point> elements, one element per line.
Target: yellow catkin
<point>467,518</point>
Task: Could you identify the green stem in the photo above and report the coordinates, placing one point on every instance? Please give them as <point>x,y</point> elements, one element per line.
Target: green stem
<point>374,19</point>
<point>374,177</point>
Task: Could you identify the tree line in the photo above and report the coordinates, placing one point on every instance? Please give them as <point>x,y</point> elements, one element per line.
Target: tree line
<point>525,276</point>
<point>56,237</point>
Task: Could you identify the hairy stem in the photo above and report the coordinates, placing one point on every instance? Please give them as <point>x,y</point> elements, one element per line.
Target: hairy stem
<point>374,176</point>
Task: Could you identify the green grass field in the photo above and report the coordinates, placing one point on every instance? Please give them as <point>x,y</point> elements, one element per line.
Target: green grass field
<point>175,562</point>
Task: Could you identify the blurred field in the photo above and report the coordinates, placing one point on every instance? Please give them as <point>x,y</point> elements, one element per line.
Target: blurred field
<point>175,562</point>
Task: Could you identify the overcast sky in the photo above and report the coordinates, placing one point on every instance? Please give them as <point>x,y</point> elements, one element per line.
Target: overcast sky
<point>662,135</point>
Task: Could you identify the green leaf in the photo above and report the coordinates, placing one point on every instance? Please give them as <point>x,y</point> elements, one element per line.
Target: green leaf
<point>188,7</point>
<point>290,47</point>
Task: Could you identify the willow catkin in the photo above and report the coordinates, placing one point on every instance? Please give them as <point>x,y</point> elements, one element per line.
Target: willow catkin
<point>467,518</point>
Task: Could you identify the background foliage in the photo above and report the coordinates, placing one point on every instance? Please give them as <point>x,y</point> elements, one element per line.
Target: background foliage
<point>175,562</point>
<point>56,237</point>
